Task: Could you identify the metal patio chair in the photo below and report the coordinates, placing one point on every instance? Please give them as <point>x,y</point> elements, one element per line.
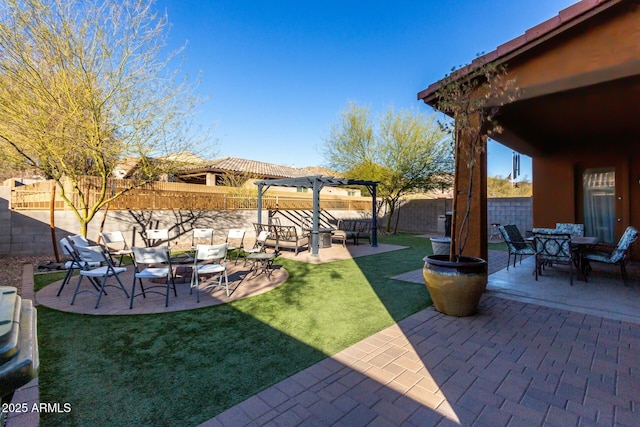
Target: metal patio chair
<point>553,249</point>
<point>609,254</point>
<point>516,244</point>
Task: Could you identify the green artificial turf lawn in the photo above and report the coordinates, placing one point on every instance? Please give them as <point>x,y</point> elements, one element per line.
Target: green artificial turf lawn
<point>184,368</point>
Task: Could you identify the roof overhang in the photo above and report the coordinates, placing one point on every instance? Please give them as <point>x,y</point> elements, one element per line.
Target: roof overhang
<point>587,93</point>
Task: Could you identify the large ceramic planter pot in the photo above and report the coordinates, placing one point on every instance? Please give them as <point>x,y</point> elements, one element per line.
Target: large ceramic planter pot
<point>455,287</point>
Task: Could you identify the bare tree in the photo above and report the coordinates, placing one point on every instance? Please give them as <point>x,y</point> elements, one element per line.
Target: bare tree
<point>86,83</point>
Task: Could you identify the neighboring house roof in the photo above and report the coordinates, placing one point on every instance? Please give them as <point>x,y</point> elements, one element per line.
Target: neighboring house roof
<point>125,166</point>
<point>196,166</point>
<point>262,169</point>
<point>565,19</point>
<point>233,164</point>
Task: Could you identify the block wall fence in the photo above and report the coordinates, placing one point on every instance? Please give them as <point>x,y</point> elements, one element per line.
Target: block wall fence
<point>28,233</point>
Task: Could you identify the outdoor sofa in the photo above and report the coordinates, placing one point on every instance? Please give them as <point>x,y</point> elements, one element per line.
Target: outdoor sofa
<point>283,237</point>
<point>356,229</point>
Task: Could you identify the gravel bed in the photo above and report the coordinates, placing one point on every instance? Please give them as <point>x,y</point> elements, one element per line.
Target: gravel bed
<point>11,269</point>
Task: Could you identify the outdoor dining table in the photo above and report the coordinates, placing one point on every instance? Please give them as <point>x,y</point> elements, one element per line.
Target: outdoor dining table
<point>578,246</point>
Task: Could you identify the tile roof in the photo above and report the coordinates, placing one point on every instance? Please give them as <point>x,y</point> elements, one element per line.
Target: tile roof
<point>253,167</point>
<point>531,37</point>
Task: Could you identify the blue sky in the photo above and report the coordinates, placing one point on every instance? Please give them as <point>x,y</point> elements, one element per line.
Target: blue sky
<point>277,73</point>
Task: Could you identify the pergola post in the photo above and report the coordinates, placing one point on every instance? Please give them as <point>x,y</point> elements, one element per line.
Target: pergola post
<point>316,216</point>
<point>260,185</point>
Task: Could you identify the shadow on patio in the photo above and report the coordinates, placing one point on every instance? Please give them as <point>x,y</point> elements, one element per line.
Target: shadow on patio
<point>515,362</point>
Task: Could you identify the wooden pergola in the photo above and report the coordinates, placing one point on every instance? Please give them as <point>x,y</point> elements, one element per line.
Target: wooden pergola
<point>317,183</point>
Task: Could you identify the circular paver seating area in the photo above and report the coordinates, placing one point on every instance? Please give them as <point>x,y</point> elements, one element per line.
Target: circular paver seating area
<point>242,284</point>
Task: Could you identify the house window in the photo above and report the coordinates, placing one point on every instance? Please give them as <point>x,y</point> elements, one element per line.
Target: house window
<point>302,189</point>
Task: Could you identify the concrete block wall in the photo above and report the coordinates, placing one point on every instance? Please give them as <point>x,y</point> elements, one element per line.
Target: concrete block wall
<point>28,232</point>
<point>419,215</point>
<point>510,210</point>
<point>422,215</point>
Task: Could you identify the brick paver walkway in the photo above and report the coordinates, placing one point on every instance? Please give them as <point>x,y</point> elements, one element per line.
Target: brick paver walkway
<point>512,364</point>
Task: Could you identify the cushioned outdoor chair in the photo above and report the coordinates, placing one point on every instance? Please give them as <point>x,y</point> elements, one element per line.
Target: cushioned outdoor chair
<point>515,243</point>
<point>154,265</point>
<point>339,234</point>
<point>569,228</point>
<point>608,254</point>
<point>553,249</point>
<point>210,260</point>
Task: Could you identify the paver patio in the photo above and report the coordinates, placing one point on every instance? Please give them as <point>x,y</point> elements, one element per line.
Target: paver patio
<point>512,364</point>
<point>515,363</point>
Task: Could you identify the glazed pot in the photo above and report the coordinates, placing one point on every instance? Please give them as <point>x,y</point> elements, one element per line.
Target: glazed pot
<point>455,287</point>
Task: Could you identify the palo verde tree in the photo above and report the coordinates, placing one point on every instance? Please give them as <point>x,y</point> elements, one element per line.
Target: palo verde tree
<point>407,153</point>
<point>85,84</point>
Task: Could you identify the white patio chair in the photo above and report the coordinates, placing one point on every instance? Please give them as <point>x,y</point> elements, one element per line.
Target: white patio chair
<point>202,236</point>
<point>156,235</point>
<point>95,254</point>
<point>235,241</point>
<point>210,260</point>
<point>152,264</point>
<point>79,240</point>
<point>115,245</point>
<point>259,245</point>
<point>72,265</point>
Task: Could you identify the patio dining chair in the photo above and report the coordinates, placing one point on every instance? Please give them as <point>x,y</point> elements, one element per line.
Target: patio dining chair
<point>210,260</point>
<point>572,229</point>
<point>516,245</point>
<point>553,249</point>
<point>153,265</point>
<point>608,254</point>
<point>115,245</point>
<point>90,255</point>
